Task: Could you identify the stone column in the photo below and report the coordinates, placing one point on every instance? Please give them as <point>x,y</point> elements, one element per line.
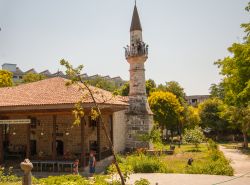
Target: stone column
<point>1,144</point>
<point>111,128</point>
<point>27,166</point>
<point>83,148</point>
<point>54,138</point>
<point>99,139</point>
<point>28,141</point>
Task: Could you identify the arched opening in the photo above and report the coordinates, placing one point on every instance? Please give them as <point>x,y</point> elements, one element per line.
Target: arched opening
<point>59,147</point>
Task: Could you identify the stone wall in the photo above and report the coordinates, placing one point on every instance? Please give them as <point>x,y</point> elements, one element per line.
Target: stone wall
<point>138,125</point>
<point>120,131</point>
<point>42,133</point>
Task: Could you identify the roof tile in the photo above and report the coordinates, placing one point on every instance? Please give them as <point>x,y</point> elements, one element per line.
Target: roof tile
<point>54,91</point>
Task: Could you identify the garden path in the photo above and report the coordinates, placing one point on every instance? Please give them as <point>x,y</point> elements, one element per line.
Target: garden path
<point>239,161</point>
<point>189,179</point>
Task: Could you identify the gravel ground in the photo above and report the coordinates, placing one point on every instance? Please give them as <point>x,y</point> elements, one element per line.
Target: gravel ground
<point>240,162</point>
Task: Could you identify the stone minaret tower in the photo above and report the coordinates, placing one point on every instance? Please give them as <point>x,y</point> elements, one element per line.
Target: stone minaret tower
<point>139,115</point>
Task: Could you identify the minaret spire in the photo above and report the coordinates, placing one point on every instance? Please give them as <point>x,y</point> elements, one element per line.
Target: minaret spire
<point>136,23</point>
<point>139,115</point>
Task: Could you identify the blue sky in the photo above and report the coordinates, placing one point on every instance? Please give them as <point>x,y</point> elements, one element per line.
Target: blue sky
<point>184,37</point>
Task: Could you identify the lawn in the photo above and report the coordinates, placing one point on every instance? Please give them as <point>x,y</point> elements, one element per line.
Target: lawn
<point>178,162</point>
<point>237,146</point>
<point>205,161</point>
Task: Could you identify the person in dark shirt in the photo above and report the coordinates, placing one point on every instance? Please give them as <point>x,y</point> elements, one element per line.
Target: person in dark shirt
<point>92,163</point>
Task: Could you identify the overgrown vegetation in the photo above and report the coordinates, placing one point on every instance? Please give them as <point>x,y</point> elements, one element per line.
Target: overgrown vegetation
<point>7,175</point>
<point>207,160</point>
<point>59,180</point>
<point>216,163</point>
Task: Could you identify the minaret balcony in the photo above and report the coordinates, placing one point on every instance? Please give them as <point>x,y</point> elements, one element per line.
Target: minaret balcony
<point>136,50</point>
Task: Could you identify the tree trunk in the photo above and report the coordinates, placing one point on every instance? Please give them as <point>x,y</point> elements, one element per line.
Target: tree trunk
<point>245,142</point>
<point>162,132</point>
<point>172,137</point>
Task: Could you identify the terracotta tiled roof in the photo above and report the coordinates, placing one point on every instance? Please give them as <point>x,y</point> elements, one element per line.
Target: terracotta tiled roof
<point>53,91</point>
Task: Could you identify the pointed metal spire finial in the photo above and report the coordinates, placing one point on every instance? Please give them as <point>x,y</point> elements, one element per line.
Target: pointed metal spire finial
<point>136,23</point>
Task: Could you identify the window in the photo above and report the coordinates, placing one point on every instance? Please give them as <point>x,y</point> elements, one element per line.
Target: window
<point>194,100</point>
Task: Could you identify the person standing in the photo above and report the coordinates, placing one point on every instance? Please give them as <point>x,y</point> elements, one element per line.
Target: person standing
<point>92,163</point>
<point>75,167</point>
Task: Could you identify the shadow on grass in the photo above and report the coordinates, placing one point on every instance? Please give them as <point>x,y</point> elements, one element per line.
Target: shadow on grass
<point>193,150</point>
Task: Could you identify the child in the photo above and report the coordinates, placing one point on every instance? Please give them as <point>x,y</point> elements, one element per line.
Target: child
<point>92,163</point>
<point>75,167</point>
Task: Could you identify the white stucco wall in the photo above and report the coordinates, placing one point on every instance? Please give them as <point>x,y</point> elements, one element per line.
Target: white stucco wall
<point>119,131</point>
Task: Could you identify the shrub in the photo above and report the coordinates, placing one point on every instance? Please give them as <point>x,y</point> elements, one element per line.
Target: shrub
<point>212,145</point>
<point>8,176</point>
<point>142,182</point>
<point>216,165</point>
<point>64,180</point>
<point>125,168</point>
<point>194,136</point>
<point>75,180</point>
<point>144,164</point>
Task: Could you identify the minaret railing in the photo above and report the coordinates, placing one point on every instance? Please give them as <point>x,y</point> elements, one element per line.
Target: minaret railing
<point>136,49</point>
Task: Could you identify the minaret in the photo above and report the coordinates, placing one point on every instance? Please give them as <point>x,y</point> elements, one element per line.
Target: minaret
<point>139,115</point>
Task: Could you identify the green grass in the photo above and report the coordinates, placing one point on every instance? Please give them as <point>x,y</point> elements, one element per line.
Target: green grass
<point>178,162</point>
<point>206,161</point>
<point>11,183</point>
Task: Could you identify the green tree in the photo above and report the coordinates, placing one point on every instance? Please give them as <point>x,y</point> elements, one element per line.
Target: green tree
<point>32,77</point>
<point>124,90</point>
<point>150,86</point>
<point>238,117</point>
<point>166,109</point>
<point>161,87</point>
<point>236,79</point>
<point>103,84</point>
<point>211,111</point>
<point>5,78</point>
<point>175,88</point>
<point>192,117</point>
<point>217,91</point>
<point>194,136</point>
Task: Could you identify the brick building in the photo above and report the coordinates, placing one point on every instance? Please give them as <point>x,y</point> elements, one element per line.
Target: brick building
<point>36,118</point>
<point>195,100</point>
<point>36,121</point>
<point>18,75</point>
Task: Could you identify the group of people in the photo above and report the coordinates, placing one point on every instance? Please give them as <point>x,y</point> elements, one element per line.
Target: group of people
<point>92,164</point>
